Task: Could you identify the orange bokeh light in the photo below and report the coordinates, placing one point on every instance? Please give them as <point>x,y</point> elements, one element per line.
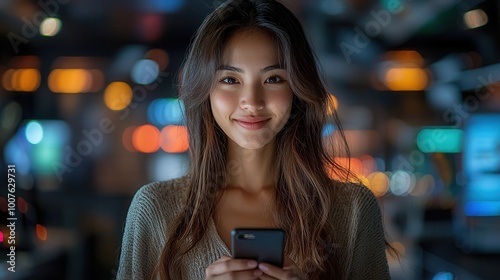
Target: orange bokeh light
<point>41,232</point>
<point>332,104</point>
<point>159,56</point>
<point>22,205</point>
<point>127,139</point>
<point>70,80</point>
<point>26,79</point>
<point>378,183</point>
<point>406,79</point>
<point>146,138</point>
<point>117,95</point>
<point>174,139</point>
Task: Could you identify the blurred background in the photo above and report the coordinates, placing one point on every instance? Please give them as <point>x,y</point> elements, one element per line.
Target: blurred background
<point>88,114</point>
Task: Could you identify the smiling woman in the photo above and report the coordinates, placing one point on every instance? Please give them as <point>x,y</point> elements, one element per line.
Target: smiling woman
<point>255,109</point>
<point>251,101</point>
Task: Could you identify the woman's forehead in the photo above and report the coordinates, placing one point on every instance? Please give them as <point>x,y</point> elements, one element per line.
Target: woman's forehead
<point>251,45</point>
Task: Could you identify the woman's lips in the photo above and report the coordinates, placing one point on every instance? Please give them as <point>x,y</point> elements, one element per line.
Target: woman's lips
<point>252,124</point>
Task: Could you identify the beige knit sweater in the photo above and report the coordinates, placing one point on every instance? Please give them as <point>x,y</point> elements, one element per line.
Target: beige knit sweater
<point>360,248</point>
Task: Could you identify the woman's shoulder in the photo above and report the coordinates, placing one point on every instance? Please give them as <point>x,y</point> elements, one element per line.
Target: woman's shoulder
<point>163,196</point>
<point>354,192</point>
<point>171,189</point>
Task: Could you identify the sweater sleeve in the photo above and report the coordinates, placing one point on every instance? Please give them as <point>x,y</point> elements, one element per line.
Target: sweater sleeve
<point>369,260</point>
<point>141,243</point>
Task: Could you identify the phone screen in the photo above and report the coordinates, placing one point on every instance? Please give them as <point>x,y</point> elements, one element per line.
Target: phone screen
<point>260,244</point>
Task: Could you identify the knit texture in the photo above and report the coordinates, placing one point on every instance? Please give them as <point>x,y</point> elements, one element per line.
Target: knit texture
<point>359,248</point>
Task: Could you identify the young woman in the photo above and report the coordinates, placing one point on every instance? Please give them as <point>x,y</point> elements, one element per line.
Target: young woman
<point>255,107</point>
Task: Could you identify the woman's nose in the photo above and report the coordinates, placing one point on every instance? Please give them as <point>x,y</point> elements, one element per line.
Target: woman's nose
<point>252,100</point>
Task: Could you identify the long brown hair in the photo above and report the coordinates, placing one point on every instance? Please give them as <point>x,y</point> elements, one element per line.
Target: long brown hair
<point>303,185</point>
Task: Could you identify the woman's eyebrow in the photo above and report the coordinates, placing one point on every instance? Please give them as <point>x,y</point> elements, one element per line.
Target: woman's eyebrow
<point>239,70</point>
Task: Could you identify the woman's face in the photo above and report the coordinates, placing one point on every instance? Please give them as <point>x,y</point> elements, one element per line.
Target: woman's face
<point>252,99</point>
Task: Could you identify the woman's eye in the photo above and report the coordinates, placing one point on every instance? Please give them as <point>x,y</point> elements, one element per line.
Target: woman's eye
<point>229,80</point>
<point>274,79</point>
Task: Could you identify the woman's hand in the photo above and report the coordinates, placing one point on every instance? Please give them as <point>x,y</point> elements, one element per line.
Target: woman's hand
<point>289,271</point>
<point>229,268</point>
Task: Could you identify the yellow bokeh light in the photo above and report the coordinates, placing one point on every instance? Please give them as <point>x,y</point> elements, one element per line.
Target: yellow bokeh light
<point>117,96</point>
<point>378,183</point>
<point>332,104</point>
<point>70,80</point>
<point>406,79</point>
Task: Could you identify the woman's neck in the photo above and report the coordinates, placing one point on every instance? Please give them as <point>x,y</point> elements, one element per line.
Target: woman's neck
<point>251,170</point>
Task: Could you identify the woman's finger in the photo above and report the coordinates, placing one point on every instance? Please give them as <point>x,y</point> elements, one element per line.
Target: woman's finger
<point>229,265</point>
<point>278,272</point>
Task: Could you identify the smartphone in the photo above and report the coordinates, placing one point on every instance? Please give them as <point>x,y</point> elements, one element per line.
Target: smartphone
<point>260,244</point>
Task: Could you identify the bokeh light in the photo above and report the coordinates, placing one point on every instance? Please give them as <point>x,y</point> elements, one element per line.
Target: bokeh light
<point>169,6</point>
<point>475,18</point>
<point>117,96</point>
<point>443,275</point>
<point>34,132</point>
<point>328,129</point>
<point>145,71</point>
<point>41,232</point>
<point>70,80</point>
<point>7,79</point>
<point>440,140</point>
<point>16,153</point>
<point>22,205</point>
<point>332,104</point>
<point>127,139</point>
<point>50,26</point>
<point>406,79</point>
<point>146,139</point>
<point>166,166</point>
<point>401,182</point>
<point>378,183</point>
<point>174,139</point>
<point>159,56</point>
<point>424,186</point>
<point>50,149</point>
<point>408,58</point>
<point>24,80</point>
<point>166,111</point>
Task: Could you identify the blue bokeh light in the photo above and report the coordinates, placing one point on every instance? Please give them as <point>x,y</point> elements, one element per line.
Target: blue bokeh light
<point>145,71</point>
<point>34,132</point>
<point>166,111</point>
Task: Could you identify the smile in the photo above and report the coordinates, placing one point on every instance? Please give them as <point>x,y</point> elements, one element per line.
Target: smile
<point>252,125</point>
